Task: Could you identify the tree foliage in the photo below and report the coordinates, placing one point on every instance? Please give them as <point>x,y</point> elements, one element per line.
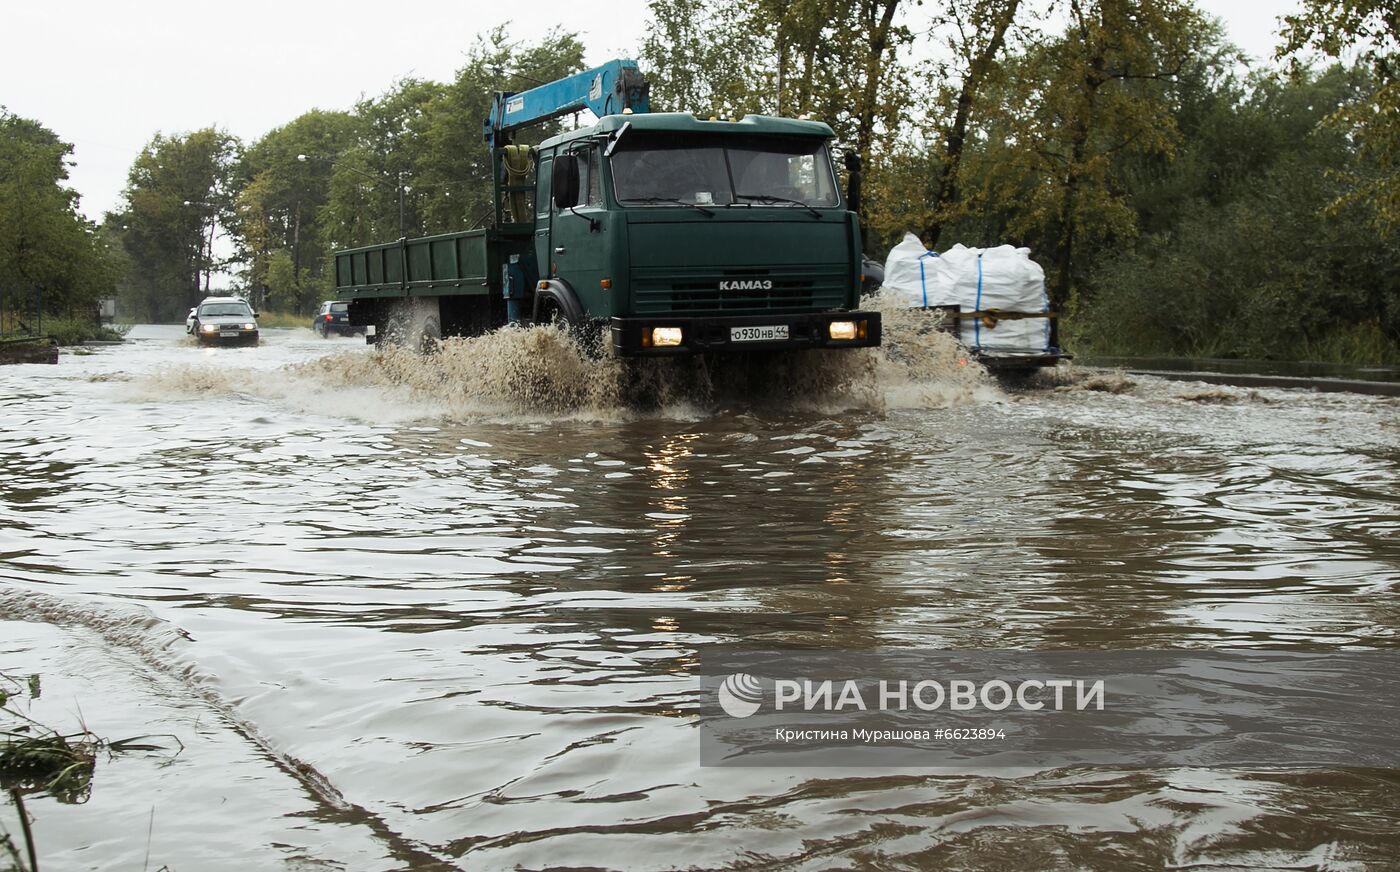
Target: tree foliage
<point>830,60</point>
<point>333,179</point>
<point>1255,264</point>
<point>285,182</point>
<point>180,193</point>
<point>1178,203</point>
<point>977,39</point>
<point>1369,29</point>
<point>1075,111</point>
<point>45,244</point>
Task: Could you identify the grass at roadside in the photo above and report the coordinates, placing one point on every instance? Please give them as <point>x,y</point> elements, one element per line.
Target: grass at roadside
<point>76,331</point>
<point>1362,344</point>
<point>283,319</point>
<point>40,760</point>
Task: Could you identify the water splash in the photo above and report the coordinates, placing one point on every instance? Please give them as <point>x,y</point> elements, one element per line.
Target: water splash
<point>544,373</point>
<point>1074,378</point>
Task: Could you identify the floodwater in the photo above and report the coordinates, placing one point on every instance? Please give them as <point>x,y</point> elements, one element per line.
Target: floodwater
<point>401,619</point>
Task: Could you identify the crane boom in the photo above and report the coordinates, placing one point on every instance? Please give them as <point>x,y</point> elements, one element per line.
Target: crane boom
<point>606,90</point>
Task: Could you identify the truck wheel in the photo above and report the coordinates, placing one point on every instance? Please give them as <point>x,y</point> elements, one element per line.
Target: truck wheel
<point>413,325</point>
<point>588,335</point>
<point>430,338</point>
<point>551,314</point>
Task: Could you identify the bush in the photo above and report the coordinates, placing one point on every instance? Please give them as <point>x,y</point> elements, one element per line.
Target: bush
<point>76,331</point>
<point>283,319</point>
<point>1272,275</point>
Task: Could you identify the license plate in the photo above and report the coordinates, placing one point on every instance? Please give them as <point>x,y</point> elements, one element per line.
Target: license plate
<point>228,332</point>
<point>767,333</point>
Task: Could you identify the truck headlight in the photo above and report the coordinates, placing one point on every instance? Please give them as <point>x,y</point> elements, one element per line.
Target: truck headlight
<point>208,328</point>
<point>250,326</point>
<point>665,337</point>
<point>844,330</point>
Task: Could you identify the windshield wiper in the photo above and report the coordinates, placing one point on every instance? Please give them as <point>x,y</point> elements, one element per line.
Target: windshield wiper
<point>770,198</point>
<point>706,212</point>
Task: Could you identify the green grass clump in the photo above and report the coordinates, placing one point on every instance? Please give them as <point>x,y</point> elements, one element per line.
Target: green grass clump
<point>76,331</point>
<point>34,757</point>
<point>283,319</point>
<point>1363,344</point>
<point>38,759</point>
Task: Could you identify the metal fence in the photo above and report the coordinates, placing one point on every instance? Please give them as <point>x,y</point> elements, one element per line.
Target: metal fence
<point>21,313</point>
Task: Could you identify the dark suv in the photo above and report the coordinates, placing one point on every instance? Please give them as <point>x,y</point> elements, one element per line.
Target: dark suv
<point>334,317</point>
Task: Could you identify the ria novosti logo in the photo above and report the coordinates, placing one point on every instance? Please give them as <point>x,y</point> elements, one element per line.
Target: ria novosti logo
<point>740,695</point>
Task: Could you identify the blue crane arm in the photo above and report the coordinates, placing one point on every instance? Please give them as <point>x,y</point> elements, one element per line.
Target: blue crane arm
<point>606,90</point>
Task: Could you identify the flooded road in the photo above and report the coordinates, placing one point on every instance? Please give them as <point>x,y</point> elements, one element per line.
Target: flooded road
<point>399,622</point>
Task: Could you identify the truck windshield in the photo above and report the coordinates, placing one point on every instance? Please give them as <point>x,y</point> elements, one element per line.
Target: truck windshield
<point>662,169</point>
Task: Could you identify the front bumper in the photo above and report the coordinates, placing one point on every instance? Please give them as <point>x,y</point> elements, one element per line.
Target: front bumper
<point>242,337</point>
<point>712,334</point>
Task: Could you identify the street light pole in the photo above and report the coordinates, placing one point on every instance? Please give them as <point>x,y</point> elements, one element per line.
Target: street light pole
<point>397,183</point>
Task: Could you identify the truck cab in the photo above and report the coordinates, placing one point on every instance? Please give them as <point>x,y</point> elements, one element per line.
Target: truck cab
<point>665,233</point>
<point>688,235</point>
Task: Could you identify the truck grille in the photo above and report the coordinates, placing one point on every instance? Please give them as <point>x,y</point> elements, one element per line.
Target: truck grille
<point>689,291</point>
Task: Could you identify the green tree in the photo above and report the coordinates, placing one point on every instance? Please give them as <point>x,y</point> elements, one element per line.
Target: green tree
<point>427,136</point>
<point>1247,261</point>
<point>44,242</point>
<point>179,195</point>
<point>830,60</point>
<point>450,186</point>
<point>694,53</point>
<point>1370,29</point>
<point>976,41</point>
<point>364,200</point>
<point>917,181</point>
<point>286,183</point>
<point>1071,109</point>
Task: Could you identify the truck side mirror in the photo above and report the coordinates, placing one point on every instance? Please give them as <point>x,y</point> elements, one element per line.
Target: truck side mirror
<point>853,182</point>
<point>564,181</point>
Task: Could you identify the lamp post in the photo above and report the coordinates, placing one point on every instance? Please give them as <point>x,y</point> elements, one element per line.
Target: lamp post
<point>397,183</point>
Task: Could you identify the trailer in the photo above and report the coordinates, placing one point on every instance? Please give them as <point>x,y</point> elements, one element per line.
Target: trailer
<point>650,233</point>
<point>992,300</point>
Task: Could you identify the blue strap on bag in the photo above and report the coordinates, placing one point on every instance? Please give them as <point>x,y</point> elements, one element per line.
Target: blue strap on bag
<point>977,322</point>
<point>923,283</point>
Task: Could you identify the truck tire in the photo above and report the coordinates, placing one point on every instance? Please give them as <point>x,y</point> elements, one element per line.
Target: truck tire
<point>430,337</point>
<point>414,325</point>
<point>558,296</point>
<point>548,312</point>
<point>585,333</point>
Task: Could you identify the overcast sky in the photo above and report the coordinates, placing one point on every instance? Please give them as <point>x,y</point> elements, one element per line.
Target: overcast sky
<point>108,75</point>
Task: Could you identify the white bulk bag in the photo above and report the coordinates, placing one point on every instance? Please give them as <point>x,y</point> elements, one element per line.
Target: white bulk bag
<point>906,270</point>
<point>975,280</point>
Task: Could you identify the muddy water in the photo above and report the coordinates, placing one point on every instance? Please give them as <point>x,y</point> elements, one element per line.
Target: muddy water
<point>402,620</point>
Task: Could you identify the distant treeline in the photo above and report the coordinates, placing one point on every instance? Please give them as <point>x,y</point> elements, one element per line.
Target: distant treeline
<point>1180,203</point>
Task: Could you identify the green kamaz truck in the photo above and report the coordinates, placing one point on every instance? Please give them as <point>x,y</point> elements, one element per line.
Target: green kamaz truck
<point>659,233</point>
